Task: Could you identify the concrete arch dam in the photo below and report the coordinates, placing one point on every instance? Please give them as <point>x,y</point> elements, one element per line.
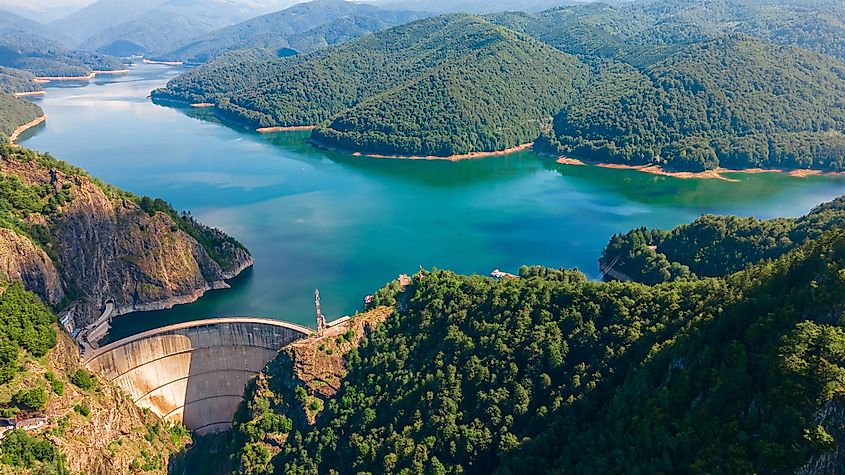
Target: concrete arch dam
<point>195,372</point>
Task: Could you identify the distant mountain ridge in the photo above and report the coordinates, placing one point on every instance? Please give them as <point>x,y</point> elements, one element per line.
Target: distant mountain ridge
<point>304,27</point>
<point>152,25</point>
<point>29,46</point>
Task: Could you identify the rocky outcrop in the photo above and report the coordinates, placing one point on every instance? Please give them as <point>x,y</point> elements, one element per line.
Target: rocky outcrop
<point>104,246</point>
<point>831,416</point>
<point>21,260</point>
<point>115,436</point>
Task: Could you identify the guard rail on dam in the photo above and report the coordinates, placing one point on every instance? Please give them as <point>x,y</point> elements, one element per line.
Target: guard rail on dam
<point>194,372</point>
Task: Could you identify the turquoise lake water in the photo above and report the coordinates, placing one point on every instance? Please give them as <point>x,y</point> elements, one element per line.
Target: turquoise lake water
<point>346,224</point>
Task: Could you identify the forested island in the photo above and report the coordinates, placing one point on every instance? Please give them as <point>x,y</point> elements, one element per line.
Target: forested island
<point>756,85</point>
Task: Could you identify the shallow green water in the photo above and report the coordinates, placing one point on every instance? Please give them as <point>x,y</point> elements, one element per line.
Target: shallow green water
<point>349,224</point>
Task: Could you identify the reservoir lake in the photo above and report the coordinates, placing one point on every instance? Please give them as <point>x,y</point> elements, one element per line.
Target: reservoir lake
<point>347,224</point>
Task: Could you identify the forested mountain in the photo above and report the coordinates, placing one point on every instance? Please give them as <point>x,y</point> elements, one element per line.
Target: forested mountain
<point>15,112</point>
<point>465,85</point>
<point>689,86</point>
<point>36,48</point>
<point>552,373</point>
<point>733,102</point>
<point>644,32</point>
<point>472,6</point>
<point>16,80</point>
<point>304,28</point>
<point>11,24</point>
<point>713,246</point>
<point>157,30</point>
<point>140,20</point>
<point>43,57</point>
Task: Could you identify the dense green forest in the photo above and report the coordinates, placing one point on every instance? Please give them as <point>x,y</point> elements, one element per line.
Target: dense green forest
<point>44,57</point>
<point>642,33</point>
<point>15,112</point>
<point>465,85</point>
<point>688,86</point>
<point>16,80</point>
<point>305,27</point>
<point>733,102</point>
<point>492,99</point>
<point>713,246</point>
<point>552,373</point>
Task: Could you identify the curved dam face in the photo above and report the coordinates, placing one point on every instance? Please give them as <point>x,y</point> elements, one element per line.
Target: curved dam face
<point>195,372</point>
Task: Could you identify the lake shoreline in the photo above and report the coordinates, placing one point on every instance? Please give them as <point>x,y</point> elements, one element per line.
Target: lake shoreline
<point>163,63</point>
<point>46,79</point>
<point>290,128</point>
<point>717,173</point>
<point>29,93</point>
<point>450,158</point>
<point>23,128</point>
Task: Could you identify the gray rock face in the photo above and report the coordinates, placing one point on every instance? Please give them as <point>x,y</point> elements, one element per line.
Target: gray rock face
<point>108,248</point>
<point>21,260</point>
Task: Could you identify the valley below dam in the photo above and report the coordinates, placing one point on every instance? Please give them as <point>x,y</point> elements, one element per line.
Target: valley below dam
<point>347,225</point>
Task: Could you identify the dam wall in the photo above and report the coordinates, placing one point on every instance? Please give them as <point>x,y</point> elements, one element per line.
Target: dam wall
<point>195,372</point>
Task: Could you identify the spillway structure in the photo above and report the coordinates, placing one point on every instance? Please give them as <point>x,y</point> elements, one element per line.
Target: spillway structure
<point>195,372</point>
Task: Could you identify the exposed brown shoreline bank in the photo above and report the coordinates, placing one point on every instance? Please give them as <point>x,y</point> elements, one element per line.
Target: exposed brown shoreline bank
<point>717,173</point>
<point>291,128</point>
<point>29,93</point>
<point>23,128</point>
<point>46,79</point>
<point>451,158</point>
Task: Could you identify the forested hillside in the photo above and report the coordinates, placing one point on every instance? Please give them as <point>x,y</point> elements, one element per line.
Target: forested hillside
<point>552,373</point>
<point>16,80</point>
<point>37,49</point>
<point>154,31</point>
<point>116,18</point>
<point>644,32</point>
<point>447,70</point>
<point>302,28</point>
<point>733,102</point>
<point>88,426</point>
<point>15,112</point>
<point>746,391</point>
<point>687,86</point>
<point>44,57</point>
<point>493,99</point>
<point>713,246</point>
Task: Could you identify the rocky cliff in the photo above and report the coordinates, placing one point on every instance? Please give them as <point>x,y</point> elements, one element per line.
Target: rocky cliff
<point>79,243</point>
